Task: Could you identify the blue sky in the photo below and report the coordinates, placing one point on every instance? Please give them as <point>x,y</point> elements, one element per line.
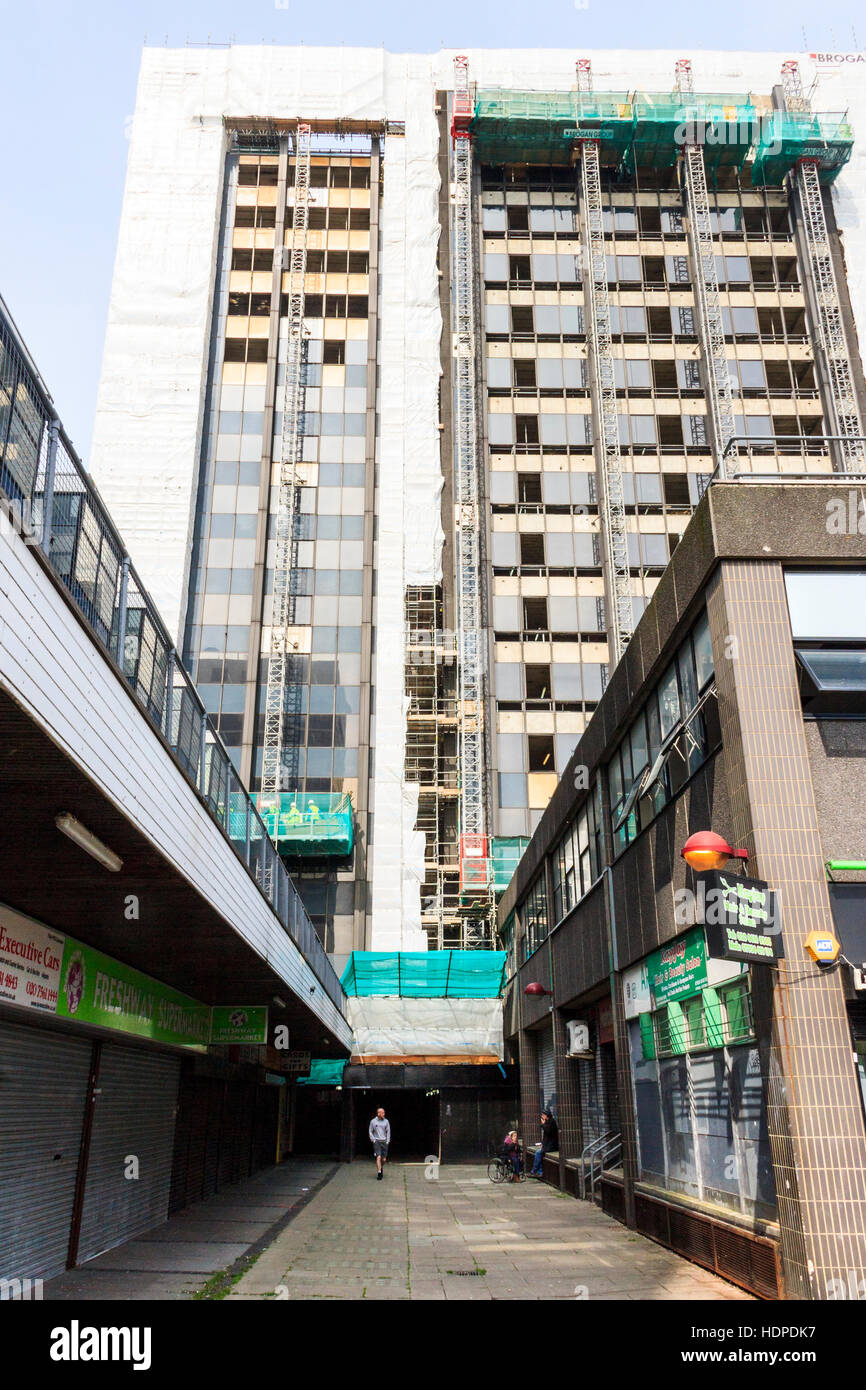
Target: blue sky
<point>68,88</point>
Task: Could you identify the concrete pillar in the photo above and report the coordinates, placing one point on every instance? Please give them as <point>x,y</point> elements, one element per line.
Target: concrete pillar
<point>815,1114</point>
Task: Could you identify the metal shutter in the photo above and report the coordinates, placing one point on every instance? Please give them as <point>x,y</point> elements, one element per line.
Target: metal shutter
<point>546,1071</point>
<point>134,1114</point>
<point>43,1095</point>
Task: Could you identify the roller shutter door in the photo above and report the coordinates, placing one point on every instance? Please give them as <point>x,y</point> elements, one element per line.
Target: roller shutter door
<point>134,1115</point>
<point>43,1094</point>
<point>546,1070</point>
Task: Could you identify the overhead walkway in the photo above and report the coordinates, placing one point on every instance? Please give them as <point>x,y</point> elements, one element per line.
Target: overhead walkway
<point>100,722</point>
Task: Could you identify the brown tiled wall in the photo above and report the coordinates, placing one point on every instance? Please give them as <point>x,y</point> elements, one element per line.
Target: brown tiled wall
<point>816,1121</point>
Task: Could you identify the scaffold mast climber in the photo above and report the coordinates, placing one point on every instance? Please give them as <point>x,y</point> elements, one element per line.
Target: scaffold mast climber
<point>597,308</point>
<point>474,848</point>
<point>275,752</point>
<point>831,331</point>
<point>711,325</point>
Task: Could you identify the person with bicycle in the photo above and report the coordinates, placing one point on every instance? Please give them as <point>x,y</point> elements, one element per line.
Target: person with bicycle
<point>511,1153</point>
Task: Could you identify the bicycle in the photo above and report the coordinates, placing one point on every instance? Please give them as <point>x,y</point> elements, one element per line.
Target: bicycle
<point>501,1169</point>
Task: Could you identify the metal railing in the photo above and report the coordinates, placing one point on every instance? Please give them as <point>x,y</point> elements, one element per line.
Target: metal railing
<point>593,1158</point>
<point>738,460</point>
<point>54,506</point>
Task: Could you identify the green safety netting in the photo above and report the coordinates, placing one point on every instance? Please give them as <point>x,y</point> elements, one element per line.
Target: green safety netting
<point>309,824</point>
<point>647,130</point>
<point>425,974</point>
<point>506,852</point>
<point>787,137</point>
<point>324,1072</point>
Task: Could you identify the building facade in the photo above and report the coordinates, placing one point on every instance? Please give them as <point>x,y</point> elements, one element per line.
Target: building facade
<point>411,286</point>
<point>716,1105</point>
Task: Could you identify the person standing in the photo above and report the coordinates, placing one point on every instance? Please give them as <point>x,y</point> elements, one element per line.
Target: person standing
<point>549,1142</point>
<point>380,1137</point>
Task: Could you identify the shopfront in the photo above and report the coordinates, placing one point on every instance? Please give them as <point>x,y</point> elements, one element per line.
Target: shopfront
<point>91,1079</point>
<point>699,1093</point>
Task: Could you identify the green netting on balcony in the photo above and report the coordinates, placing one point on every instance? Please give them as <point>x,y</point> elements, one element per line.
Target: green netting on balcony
<point>506,852</point>
<point>724,124</point>
<point>787,137</point>
<point>541,127</point>
<point>425,974</point>
<point>308,825</point>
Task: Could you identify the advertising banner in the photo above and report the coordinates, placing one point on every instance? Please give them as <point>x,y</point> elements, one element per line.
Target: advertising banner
<point>233,1023</point>
<point>679,968</point>
<point>96,989</point>
<point>30,958</point>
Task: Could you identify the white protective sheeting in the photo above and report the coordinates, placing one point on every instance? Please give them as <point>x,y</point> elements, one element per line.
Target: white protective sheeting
<point>386,1026</point>
<point>147,436</point>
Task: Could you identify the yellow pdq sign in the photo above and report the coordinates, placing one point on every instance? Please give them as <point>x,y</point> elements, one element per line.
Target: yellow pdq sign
<point>822,946</point>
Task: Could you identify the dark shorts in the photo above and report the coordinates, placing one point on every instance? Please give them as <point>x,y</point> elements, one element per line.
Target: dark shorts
<point>380,1148</point>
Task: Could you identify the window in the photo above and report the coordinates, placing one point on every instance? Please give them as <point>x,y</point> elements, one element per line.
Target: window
<point>533,917</point>
<point>524,373</point>
<point>575,862</point>
<point>541,756</point>
<point>535,615</point>
<point>532,549</point>
<point>538,683</point>
<point>669,740</point>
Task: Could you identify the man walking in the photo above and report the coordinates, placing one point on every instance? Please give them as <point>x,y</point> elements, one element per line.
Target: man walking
<point>380,1136</point>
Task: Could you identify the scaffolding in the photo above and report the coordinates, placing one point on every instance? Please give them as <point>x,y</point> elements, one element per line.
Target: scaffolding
<point>831,330</point>
<point>431,760</point>
<point>479,905</point>
<point>702,245</point>
<point>597,306</point>
<point>285,528</point>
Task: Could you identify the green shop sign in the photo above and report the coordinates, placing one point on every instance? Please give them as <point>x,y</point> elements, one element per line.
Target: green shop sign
<point>231,1023</point>
<point>679,968</point>
<point>97,989</point>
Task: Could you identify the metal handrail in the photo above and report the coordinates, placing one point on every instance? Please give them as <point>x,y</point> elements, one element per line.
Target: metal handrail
<point>614,1147</point>
<point>594,1149</point>
<point>56,508</point>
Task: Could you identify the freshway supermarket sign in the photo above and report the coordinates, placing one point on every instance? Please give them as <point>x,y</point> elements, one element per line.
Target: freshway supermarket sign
<point>42,970</point>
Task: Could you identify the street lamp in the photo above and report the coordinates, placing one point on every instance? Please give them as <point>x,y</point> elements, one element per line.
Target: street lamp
<point>706,850</point>
<point>536,990</point>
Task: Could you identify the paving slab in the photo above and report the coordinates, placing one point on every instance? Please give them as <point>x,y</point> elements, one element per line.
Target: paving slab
<point>462,1239</point>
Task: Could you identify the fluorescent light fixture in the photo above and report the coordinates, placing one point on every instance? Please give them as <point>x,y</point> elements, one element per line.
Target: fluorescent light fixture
<point>81,836</point>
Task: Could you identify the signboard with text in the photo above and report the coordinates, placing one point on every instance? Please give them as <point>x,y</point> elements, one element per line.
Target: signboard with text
<point>97,989</point>
<point>30,958</point>
<point>741,918</point>
<point>233,1023</point>
<point>679,968</point>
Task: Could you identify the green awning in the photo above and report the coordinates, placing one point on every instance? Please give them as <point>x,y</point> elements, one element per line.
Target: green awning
<point>324,1072</point>
<point>426,974</point>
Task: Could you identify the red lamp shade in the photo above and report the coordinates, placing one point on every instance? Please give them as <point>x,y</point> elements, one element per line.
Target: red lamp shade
<point>706,850</point>
<point>536,989</point>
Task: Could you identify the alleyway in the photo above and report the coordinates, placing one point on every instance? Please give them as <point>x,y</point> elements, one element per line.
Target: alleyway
<point>456,1236</point>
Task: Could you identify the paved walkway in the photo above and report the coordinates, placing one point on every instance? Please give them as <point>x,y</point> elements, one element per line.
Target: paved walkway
<point>459,1237</point>
<point>178,1258</point>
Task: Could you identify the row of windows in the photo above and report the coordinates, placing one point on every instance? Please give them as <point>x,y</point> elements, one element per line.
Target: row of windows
<point>668,740</point>
<point>336,219</point>
<point>710,1019</point>
<point>542,219</point>
<point>636,321</point>
<point>534,491</point>
<point>577,860</point>
<point>563,680</point>
<point>541,268</point>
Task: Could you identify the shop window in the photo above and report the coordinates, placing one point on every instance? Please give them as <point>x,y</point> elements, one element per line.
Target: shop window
<point>736,1008</point>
